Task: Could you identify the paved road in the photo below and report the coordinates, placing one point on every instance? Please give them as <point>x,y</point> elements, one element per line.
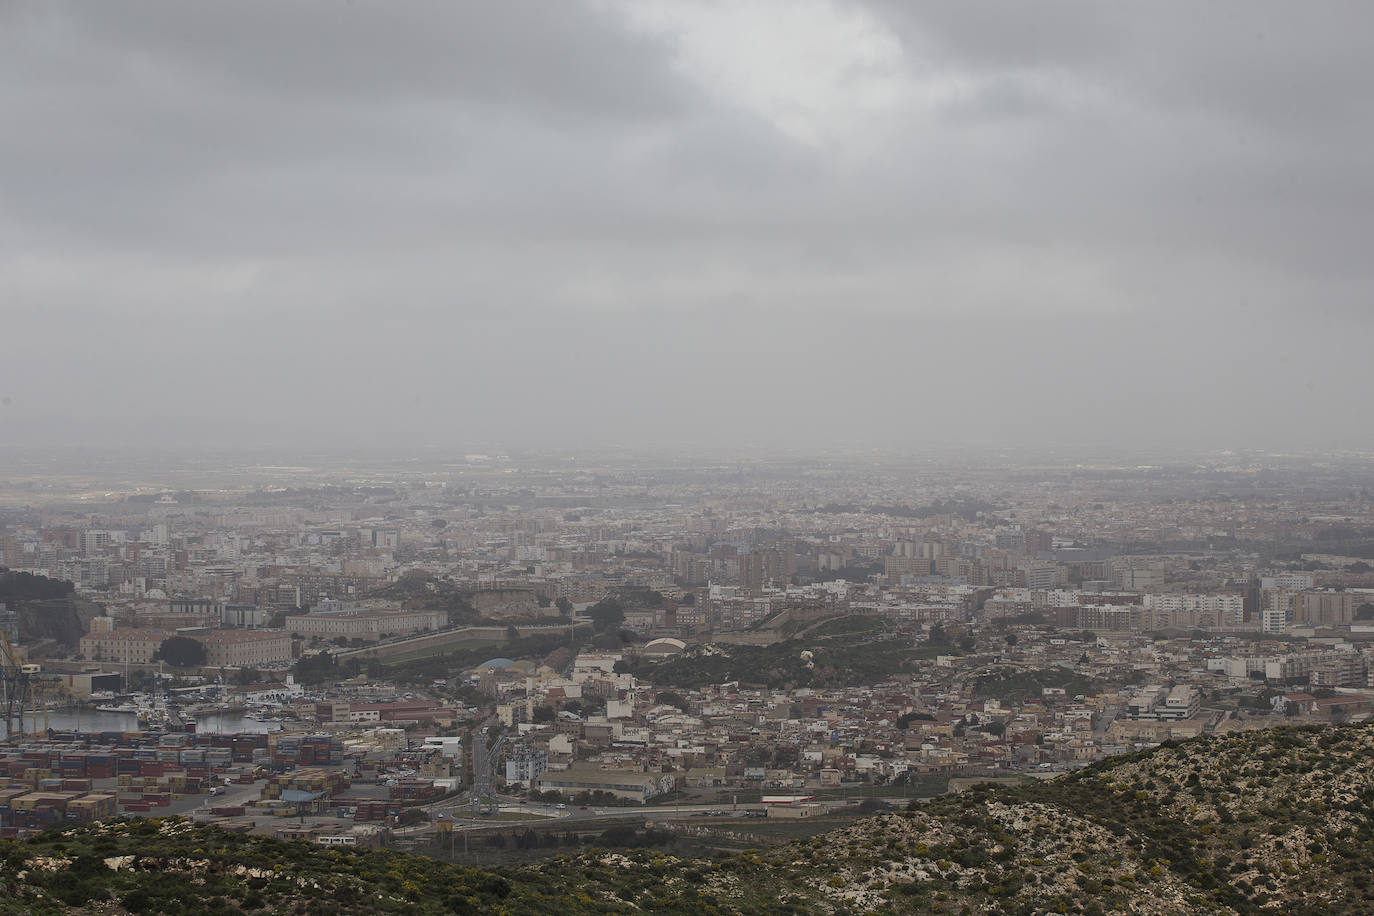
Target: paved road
<point>459,812</point>
<point>234,795</point>
<point>1104,722</point>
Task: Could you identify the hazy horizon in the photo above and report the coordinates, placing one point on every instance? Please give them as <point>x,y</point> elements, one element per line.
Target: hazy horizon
<point>801,225</point>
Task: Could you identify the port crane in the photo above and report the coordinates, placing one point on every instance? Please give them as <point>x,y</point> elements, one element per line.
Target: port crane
<point>21,693</point>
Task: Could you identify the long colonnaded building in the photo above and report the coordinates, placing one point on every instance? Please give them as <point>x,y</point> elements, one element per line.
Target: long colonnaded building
<point>365,624</point>
<point>223,648</point>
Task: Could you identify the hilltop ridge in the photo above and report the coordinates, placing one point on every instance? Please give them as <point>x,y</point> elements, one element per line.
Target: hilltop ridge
<point>1273,820</point>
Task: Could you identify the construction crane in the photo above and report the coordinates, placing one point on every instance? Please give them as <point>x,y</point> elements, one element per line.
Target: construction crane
<point>484,760</point>
<point>21,693</point>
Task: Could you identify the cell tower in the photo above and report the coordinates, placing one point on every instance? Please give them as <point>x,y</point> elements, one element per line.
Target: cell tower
<point>484,762</point>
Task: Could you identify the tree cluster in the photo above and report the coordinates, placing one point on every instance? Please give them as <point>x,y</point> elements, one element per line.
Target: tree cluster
<point>181,652</point>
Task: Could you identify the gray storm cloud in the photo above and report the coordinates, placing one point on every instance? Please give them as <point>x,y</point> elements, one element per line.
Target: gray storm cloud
<point>582,223</point>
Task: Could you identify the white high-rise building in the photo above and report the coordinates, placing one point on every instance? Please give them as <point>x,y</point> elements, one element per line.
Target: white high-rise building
<point>1274,619</point>
<point>1292,581</point>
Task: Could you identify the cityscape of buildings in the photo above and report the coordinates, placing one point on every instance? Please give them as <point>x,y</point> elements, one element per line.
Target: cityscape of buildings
<point>635,631</point>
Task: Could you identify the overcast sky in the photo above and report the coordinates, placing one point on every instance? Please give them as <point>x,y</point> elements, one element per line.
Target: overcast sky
<point>794,222</point>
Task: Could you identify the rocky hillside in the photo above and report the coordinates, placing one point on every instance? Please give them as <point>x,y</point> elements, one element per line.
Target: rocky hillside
<point>1269,821</point>
<point>48,608</point>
